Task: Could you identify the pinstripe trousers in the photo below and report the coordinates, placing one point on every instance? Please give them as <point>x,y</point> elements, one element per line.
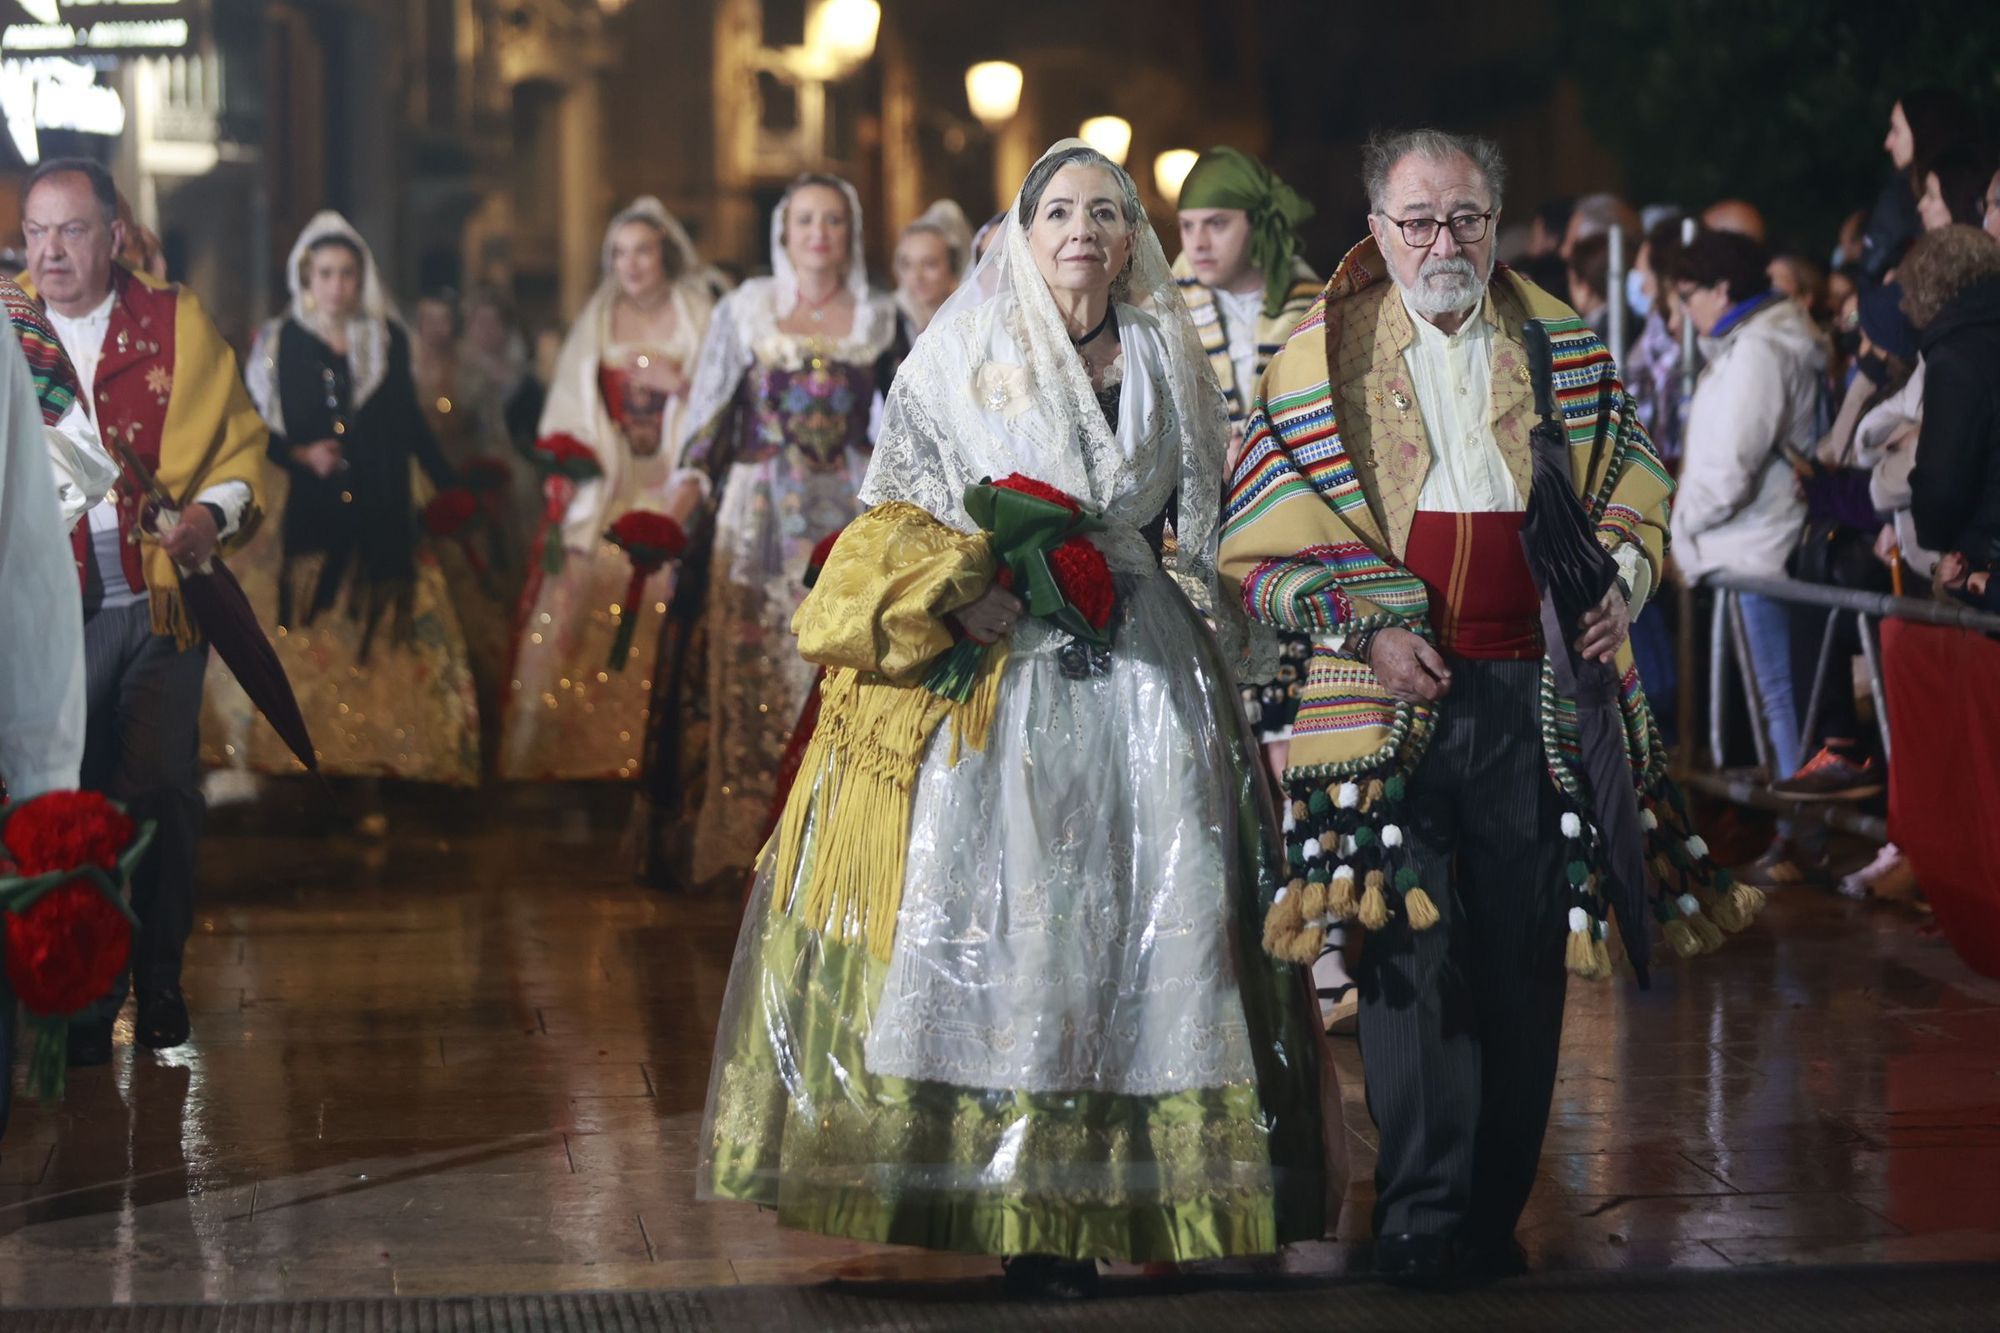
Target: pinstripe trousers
<point>142,747</point>
<point>1460,1024</point>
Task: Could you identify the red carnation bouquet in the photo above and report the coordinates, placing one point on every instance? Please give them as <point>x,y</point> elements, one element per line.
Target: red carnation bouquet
<point>564,462</point>
<point>448,517</point>
<point>649,540</point>
<point>65,858</point>
<point>1039,537</point>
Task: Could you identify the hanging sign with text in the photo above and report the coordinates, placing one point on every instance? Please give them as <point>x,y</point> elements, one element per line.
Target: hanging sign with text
<point>99,27</point>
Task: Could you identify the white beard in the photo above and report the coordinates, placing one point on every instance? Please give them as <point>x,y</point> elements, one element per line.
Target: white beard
<point>1445,287</point>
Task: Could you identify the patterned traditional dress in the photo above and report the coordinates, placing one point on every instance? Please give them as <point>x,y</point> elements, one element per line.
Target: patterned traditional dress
<point>783,458</point>
<point>570,715</point>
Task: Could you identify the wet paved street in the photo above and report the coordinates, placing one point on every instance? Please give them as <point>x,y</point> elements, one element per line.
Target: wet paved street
<point>473,1060</point>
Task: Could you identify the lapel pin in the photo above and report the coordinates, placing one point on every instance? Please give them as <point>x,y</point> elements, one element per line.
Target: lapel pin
<point>1402,403</point>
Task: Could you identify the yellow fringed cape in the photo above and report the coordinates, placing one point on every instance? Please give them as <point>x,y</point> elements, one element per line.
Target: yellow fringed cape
<point>875,620</point>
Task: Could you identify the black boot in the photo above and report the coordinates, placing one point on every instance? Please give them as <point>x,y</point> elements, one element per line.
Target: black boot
<point>1044,1277</point>
<point>163,1018</point>
<point>90,1043</point>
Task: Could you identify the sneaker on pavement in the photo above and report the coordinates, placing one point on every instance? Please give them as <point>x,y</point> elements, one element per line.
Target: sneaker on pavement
<point>1832,776</point>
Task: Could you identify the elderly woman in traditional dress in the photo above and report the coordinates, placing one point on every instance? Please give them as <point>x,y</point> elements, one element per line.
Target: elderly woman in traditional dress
<point>998,988</point>
<point>619,385</point>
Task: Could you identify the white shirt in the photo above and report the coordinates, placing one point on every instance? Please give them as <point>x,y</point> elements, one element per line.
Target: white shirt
<point>41,617</point>
<point>1241,312</point>
<point>1453,377</point>
<point>83,338</point>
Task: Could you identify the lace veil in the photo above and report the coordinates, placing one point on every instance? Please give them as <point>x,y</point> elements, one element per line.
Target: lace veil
<point>367,328</point>
<point>994,385</point>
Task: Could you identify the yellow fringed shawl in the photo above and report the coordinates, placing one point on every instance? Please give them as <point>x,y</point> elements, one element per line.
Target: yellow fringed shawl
<point>875,620</point>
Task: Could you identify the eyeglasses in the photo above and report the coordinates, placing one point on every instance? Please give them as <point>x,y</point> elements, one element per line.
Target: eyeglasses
<point>1422,233</point>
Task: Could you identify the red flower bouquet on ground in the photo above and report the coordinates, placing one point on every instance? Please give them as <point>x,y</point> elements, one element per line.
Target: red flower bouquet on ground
<point>649,540</point>
<point>1038,535</point>
<point>564,462</point>
<point>65,858</point>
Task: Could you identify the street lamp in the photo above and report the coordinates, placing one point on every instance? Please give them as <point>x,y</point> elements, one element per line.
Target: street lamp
<point>842,32</point>
<point>1109,135</point>
<point>993,90</point>
<point>1170,172</point>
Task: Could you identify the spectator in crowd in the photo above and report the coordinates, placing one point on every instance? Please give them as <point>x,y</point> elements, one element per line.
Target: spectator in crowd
<point>1838,548</point>
<point>1951,292</point>
<point>1739,506</point>
<point>1597,214</point>
<point>1543,261</point>
<point>1847,250</point>
<point>1653,365</point>
<point>1737,215</point>
<point>1589,270</point>
<point>1955,184</point>
<point>1923,124</point>
<point>1799,279</point>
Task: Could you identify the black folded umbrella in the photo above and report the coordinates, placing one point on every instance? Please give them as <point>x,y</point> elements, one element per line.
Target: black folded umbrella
<point>1573,572</point>
<point>219,609</point>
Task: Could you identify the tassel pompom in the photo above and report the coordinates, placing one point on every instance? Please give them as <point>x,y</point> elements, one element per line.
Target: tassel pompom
<point>1348,797</point>
<point>1312,900</point>
<point>1707,932</point>
<point>1285,919</point>
<point>1747,899</point>
<point>1600,957</point>
<point>1578,956</point>
<point>1417,905</point>
<point>1680,938</point>
<point>1307,945</point>
<point>1374,912</point>
<point>1572,825</point>
<point>1722,909</point>
<point>1648,820</point>
<point>1392,835</point>
<point>1341,903</point>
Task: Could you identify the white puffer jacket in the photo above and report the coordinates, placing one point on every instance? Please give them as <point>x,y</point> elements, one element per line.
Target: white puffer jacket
<point>1738,507</point>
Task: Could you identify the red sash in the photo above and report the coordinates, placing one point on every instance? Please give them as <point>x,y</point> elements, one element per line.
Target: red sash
<point>1483,599</point>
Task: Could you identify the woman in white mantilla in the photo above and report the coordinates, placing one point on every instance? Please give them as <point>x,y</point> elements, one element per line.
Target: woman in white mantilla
<point>365,626</point>
<point>619,386</point>
<point>776,437</point>
<point>998,988</point>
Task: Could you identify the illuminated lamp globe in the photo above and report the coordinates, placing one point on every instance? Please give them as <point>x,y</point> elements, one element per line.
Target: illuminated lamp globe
<point>1170,172</point>
<point>993,91</point>
<point>1109,135</point>
<point>842,32</point>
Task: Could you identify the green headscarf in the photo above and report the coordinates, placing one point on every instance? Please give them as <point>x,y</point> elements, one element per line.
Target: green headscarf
<point>1227,178</point>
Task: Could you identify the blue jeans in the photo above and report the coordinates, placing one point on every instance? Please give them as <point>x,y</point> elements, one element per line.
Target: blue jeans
<point>1768,634</point>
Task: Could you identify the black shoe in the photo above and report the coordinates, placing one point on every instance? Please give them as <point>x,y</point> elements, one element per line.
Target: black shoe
<point>163,1018</point>
<point>1413,1261</point>
<point>1490,1259</point>
<point>90,1043</point>
<point>1832,776</point>
<point>1043,1277</point>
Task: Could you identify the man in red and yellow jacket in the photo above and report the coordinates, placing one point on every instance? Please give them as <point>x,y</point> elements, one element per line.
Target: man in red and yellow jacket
<point>158,379</point>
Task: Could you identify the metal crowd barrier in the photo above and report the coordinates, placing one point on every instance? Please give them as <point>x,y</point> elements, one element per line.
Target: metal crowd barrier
<point>1728,640</point>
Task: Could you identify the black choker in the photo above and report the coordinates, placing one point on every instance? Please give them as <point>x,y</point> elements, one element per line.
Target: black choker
<point>1101,326</point>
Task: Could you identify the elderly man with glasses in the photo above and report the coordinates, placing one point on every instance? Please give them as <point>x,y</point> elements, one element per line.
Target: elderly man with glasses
<point>1378,507</point>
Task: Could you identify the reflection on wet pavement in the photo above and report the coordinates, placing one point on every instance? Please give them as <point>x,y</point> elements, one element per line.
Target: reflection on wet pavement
<point>476,1063</point>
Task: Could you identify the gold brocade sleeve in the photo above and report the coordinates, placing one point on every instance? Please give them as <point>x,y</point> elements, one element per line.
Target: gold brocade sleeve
<point>879,603</point>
